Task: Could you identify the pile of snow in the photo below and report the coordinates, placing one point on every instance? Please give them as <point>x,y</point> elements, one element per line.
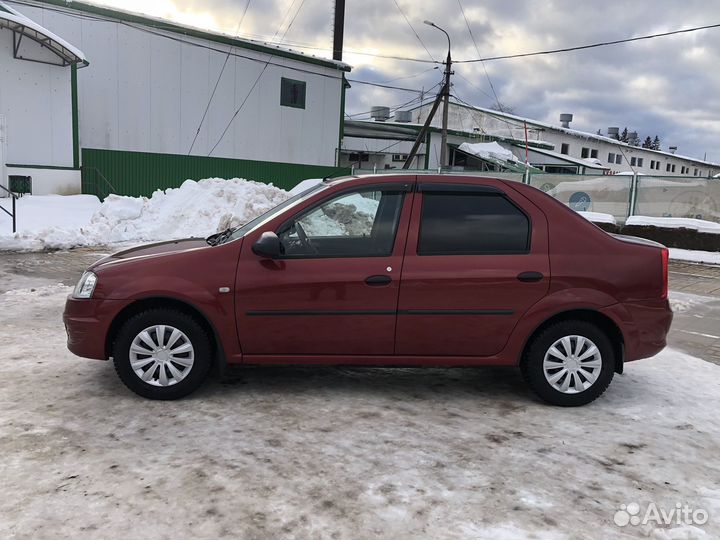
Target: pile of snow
<point>38,212</point>
<point>599,217</point>
<point>194,209</point>
<point>348,216</point>
<point>490,150</point>
<point>699,225</point>
<point>692,255</point>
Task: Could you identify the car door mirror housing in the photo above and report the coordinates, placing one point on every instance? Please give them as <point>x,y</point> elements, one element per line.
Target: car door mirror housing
<point>268,245</point>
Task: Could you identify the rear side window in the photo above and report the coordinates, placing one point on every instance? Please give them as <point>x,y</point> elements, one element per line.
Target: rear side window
<point>471,224</point>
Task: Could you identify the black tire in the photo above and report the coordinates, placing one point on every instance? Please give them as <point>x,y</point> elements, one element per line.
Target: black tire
<point>532,363</point>
<point>188,325</point>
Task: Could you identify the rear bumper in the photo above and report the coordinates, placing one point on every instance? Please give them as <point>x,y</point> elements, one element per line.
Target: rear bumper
<point>644,325</point>
<point>87,322</point>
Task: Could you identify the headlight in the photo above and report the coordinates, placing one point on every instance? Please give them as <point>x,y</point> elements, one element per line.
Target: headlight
<point>86,286</point>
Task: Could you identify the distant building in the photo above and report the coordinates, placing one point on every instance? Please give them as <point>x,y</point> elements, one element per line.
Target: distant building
<point>568,148</point>
<point>93,96</point>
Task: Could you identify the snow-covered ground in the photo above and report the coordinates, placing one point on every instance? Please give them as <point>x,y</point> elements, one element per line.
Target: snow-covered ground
<point>690,255</point>
<point>699,225</point>
<point>343,453</point>
<point>194,209</point>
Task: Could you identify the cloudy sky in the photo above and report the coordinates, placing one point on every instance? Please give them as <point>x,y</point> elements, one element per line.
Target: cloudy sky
<point>668,86</point>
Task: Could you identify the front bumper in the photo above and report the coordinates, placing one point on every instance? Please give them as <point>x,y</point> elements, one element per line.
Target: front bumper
<point>87,322</point>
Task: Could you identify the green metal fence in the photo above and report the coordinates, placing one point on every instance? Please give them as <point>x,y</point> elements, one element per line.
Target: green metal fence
<point>140,173</point>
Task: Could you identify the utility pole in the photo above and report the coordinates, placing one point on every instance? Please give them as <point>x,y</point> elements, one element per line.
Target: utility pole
<point>338,29</point>
<point>446,99</point>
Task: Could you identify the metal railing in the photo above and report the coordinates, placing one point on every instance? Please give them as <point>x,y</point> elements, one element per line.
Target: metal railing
<point>619,195</point>
<point>12,214</point>
<point>98,184</point>
<point>623,196</point>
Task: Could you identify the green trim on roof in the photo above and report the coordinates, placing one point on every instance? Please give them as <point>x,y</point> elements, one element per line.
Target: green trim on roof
<point>192,32</point>
<point>49,167</point>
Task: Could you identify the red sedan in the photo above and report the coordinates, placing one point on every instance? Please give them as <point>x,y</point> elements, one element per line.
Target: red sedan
<point>397,270</point>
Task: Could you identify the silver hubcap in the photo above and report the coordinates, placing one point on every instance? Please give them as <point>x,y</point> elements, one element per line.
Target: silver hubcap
<point>161,355</point>
<point>572,364</point>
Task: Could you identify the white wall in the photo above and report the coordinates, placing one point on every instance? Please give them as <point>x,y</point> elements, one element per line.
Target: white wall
<point>35,100</point>
<point>145,92</point>
<point>50,181</point>
<point>3,173</point>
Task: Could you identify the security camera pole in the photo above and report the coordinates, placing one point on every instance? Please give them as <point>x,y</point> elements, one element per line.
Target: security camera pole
<point>443,96</point>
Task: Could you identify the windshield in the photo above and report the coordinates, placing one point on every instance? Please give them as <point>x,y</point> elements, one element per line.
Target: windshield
<point>261,219</point>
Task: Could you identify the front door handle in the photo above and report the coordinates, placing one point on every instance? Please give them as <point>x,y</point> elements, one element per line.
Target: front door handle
<point>530,276</point>
<point>376,281</point>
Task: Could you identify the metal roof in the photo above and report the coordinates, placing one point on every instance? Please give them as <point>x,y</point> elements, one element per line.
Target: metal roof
<point>22,27</point>
<point>157,23</point>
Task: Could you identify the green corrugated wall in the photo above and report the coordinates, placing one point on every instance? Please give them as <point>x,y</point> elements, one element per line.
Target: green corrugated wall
<point>141,173</point>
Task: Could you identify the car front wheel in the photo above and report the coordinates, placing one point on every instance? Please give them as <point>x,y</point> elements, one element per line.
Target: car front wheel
<point>162,354</point>
<point>570,363</point>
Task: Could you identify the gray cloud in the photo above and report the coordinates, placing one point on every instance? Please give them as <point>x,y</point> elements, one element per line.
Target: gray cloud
<point>667,86</point>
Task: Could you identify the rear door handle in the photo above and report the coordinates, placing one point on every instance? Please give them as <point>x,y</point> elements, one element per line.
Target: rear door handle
<point>376,281</point>
<point>530,276</point>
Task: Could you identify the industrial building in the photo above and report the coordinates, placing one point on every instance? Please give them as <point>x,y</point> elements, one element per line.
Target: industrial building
<point>102,100</point>
<point>384,143</point>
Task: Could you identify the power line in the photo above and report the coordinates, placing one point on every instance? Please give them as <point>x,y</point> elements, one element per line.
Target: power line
<point>592,46</point>
<point>483,92</point>
<point>217,82</point>
<point>409,76</point>
<point>418,99</point>
<point>385,86</point>
<point>413,29</point>
<point>247,96</point>
<point>173,35</point>
<point>477,50</point>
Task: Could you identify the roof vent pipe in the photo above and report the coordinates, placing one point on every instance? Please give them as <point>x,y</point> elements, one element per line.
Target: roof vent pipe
<point>379,114</point>
<point>613,132</point>
<point>673,149</point>
<point>403,116</point>
<point>565,119</point>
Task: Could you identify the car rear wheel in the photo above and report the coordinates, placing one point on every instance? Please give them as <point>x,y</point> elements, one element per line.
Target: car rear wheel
<point>162,354</point>
<point>570,363</point>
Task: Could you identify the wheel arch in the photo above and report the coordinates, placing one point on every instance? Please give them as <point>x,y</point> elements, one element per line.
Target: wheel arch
<point>605,323</point>
<point>138,306</point>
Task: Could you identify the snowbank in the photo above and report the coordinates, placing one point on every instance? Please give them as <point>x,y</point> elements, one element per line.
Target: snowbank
<point>707,257</point>
<point>38,212</point>
<point>698,225</point>
<point>490,150</point>
<point>194,209</point>
<point>599,217</point>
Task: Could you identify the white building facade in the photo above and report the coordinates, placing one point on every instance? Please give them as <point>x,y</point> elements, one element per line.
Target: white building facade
<point>147,91</point>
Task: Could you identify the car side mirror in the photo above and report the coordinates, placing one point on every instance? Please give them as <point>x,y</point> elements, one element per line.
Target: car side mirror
<point>268,245</point>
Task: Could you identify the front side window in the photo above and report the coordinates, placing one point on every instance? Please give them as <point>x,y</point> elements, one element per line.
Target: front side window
<point>357,224</point>
<point>471,224</point>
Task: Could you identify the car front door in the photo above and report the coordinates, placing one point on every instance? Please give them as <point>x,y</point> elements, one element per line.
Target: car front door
<point>476,260</point>
<point>334,290</point>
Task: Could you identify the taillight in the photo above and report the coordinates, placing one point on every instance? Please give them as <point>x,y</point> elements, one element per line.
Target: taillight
<point>665,256</point>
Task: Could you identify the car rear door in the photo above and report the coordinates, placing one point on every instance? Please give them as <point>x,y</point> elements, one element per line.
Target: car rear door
<point>476,261</point>
<point>335,289</point>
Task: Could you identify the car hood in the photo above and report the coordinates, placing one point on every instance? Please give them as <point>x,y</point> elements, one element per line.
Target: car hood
<point>151,250</point>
